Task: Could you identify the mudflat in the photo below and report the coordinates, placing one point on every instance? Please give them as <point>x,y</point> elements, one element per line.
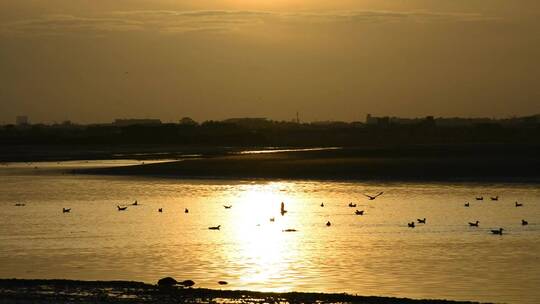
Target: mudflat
<point>424,163</point>
<point>70,291</point>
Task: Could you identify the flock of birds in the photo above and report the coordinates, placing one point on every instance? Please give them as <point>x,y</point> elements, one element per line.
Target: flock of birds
<point>283,211</point>
<point>494,231</point>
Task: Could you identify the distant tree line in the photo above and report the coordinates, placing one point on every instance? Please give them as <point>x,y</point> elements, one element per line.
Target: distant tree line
<point>269,133</point>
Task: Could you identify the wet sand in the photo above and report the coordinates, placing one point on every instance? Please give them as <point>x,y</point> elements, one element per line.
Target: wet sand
<point>423,163</point>
<point>68,291</point>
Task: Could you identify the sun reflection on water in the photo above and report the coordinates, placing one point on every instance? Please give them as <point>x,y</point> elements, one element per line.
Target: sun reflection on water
<point>258,231</point>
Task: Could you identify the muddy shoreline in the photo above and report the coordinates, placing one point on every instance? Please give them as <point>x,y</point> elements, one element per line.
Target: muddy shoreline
<point>71,291</point>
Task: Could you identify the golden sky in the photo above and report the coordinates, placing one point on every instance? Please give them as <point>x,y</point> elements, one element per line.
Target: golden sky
<point>211,59</point>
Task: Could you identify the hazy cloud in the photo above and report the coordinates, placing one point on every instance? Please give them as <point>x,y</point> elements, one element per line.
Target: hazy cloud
<point>165,21</point>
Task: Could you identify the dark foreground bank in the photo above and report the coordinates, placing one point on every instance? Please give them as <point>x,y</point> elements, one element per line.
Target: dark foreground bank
<point>67,291</point>
<point>483,163</point>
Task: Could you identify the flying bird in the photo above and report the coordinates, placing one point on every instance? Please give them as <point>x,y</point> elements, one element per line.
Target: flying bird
<point>372,197</point>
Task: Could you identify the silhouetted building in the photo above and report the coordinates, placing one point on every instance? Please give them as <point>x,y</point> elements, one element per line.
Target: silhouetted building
<point>370,120</point>
<point>136,121</point>
<point>21,120</point>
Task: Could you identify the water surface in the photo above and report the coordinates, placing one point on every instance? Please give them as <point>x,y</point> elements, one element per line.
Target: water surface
<point>374,254</point>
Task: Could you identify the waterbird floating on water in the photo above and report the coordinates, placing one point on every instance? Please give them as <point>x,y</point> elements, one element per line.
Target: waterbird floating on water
<point>359,212</point>
<point>518,204</point>
<point>524,223</point>
<point>135,203</point>
<point>466,204</point>
<point>272,219</point>
<point>475,224</point>
<point>215,227</point>
<point>160,210</point>
<point>289,230</point>
<point>499,232</point>
<point>227,206</point>
<point>121,208</point>
<point>352,205</point>
<point>372,197</point>
<point>66,210</point>
<point>421,221</point>
<point>328,224</point>
<point>322,204</point>
<point>495,198</point>
<point>186,210</point>
<point>222,282</point>
<point>479,198</point>
<point>411,224</point>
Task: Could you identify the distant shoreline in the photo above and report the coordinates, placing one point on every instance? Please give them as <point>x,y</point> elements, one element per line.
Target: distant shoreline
<point>72,291</point>
<point>430,163</point>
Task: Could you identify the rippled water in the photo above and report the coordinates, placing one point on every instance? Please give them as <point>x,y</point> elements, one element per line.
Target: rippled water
<point>374,254</point>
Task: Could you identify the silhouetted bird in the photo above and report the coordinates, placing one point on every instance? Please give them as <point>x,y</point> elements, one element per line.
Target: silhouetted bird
<point>227,207</point>
<point>20,205</point>
<point>499,232</point>
<point>135,203</point>
<point>215,227</point>
<point>283,211</point>
<point>518,204</point>
<point>352,205</point>
<point>479,198</point>
<point>359,212</point>
<point>524,223</point>
<point>186,210</point>
<point>272,219</point>
<point>495,198</point>
<point>475,224</point>
<point>411,225</point>
<point>466,204</point>
<point>328,224</point>
<point>121,208</point>
<point>421,221</point>
<point>66,210</point>
<point>372,197</point>
<point>322,204</point>
<point>289,230</point>
<point>222,282</point>
<point>160,210</point>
